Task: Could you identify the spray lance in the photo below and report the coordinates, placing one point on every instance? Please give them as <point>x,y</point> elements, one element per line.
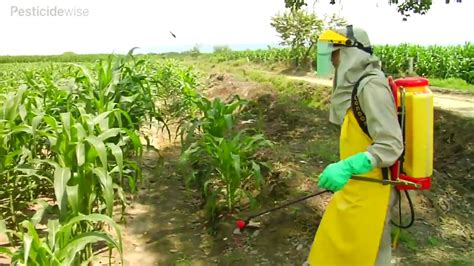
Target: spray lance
<point>242,224</point>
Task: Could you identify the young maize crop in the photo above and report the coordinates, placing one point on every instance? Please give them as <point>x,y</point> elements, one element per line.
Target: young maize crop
<point>429,61</point>
<point>68,135</point>
<point>221,155</point>
<point>67,132</point>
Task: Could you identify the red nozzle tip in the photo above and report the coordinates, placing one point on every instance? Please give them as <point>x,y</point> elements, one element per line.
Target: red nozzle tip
<point>240,224</point>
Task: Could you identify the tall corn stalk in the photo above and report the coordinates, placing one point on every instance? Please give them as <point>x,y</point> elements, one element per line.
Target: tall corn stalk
<point>67,133</point>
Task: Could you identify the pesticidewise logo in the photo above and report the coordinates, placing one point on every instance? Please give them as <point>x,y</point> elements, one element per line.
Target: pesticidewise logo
<point>48,11</point>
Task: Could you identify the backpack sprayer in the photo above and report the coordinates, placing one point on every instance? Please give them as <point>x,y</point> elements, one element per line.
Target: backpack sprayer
<point>414,105</point>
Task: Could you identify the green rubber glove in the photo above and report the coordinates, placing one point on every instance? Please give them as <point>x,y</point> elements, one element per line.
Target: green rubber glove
<point>336,175</point>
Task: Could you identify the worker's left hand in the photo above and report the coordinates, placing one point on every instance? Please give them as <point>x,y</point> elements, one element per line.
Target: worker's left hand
<point>336,175</point>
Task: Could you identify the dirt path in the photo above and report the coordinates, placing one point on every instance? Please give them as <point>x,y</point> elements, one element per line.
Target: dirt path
<point>461,104</point>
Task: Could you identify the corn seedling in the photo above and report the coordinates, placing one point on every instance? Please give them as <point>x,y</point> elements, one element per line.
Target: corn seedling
<point>221,156</point>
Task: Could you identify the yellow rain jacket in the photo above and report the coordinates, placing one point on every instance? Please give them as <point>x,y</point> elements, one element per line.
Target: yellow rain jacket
<point>355,229</point>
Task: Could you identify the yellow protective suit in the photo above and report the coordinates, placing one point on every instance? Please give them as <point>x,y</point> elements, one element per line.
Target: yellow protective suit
<point>351,229</point>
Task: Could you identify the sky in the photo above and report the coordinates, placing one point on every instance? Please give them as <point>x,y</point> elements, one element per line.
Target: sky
<point>106,26</point>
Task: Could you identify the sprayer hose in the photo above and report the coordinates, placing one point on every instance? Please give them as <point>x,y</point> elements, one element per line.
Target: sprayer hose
<point>412,211</point>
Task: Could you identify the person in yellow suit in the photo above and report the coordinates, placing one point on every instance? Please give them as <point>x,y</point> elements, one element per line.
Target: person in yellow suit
<point>355,228</point>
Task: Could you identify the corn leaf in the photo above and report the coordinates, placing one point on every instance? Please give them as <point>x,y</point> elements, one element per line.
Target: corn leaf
<point>80,154</point>
<point>53,228</point>
<point>100,148</point>
<point>73,197</point>
<point>107,186</point>
<point>61,177</point>
<point>109,133</point>
<point>67,254</point>
<point>66,120</point>
<point>118,154</point>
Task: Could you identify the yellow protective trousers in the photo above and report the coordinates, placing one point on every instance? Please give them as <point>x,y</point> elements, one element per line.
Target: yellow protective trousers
<point>351,229</point>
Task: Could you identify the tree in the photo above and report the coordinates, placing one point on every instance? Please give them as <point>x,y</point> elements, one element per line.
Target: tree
<point>294,4</point>
<point>195,51</point>
<point>404,7</point>
<point>300,30</point>
<point>224,49</point>
<point>334,21</point>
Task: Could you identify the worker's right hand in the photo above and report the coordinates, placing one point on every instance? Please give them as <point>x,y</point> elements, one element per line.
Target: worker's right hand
<point>336,175</point>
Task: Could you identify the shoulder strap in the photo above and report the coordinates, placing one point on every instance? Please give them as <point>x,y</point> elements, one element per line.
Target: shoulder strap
<point>356,109</point>
<point>360,116</point>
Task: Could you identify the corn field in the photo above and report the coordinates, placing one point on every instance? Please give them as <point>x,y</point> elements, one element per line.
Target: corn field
<point>270,55</point>
<point>431,61</point>
<point>434,61</point>
<point>70,137</point>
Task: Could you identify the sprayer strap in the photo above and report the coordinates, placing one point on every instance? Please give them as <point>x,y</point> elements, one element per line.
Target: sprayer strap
<point>356,109</point>
<point>360,116</point>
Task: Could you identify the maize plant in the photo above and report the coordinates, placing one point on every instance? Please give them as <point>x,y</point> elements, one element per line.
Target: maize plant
<point>20,143</point>
<point>175,89</point>
<point>87,158</point>
<point>29,141</point>
<point>272,55</point>
<point>118,85</point>
<point>221,156</point>
<point>236,170</point>
<point>67,132</point>
<point>216,119</point>
<point>63,245</point>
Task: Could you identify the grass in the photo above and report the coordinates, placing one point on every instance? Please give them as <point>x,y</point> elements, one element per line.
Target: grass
<point>310,95</point>
<point>407,239</point>
<point>250,68</point>
<point>323,150</point>
<point>461,262</point>
<point>453,84</point>
<point>435,241</point>
<point>183,260</point>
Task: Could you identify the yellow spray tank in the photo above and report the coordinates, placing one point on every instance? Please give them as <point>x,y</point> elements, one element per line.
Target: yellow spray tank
<point>414,102</point>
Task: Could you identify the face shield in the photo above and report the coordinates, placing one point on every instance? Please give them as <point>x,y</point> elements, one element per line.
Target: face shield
<point>324,66</point>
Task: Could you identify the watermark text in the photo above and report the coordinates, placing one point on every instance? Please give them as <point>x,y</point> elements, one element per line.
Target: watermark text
<point>55,11</point>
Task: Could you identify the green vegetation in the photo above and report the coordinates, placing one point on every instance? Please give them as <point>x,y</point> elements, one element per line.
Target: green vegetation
<point>65,58</point>
<point>405,7</point>
<point>221,155</point>
<point>456,83</point>
<point>270,55</point>
<point>67,133</point>
<point>69,140</point>
<point>406,238</point>
<point>453,64</point>
<point>440,62</point>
